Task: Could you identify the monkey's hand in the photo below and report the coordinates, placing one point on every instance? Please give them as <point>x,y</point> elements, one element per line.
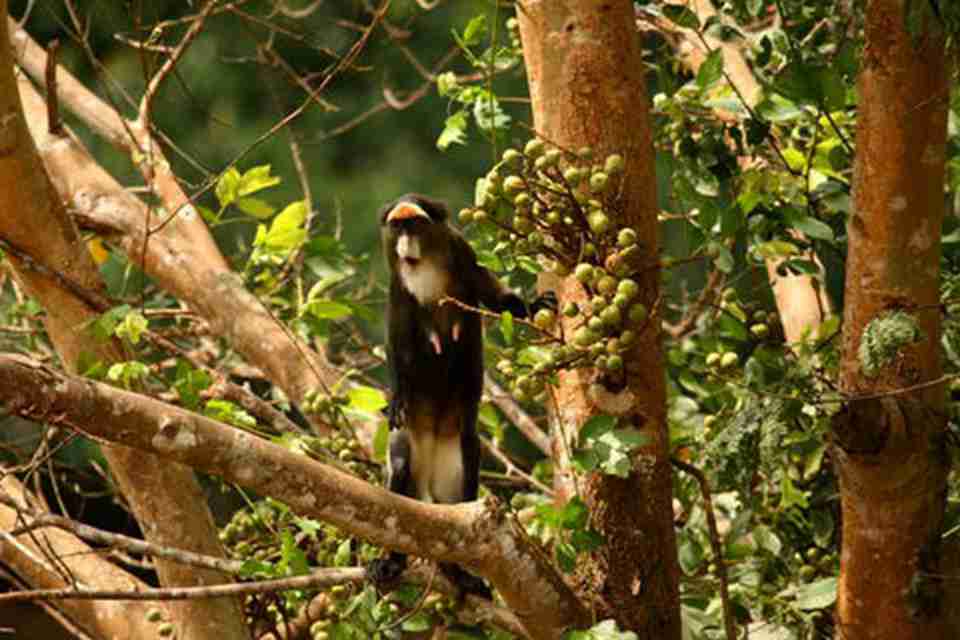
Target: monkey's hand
<point>547,300</point>
<point>396,412</point>
<point>384,572</point>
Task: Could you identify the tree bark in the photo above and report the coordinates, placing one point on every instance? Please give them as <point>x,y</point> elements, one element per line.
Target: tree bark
<point>166,499</point>
<point>479,535</point>
<point>587,88</point>
<point>890,450</point>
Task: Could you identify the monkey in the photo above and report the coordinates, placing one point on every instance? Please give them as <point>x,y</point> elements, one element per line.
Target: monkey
<point>435,357</point>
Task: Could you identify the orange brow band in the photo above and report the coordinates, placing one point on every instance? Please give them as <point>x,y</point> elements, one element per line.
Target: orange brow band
<point>405,211</point>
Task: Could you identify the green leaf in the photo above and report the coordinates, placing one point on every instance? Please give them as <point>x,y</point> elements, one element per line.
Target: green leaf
<point>344,556</point>
<point>681,16</point>
<point>228,186</point>
<point>328,309</point>
<point>366,399</point>
<point>596,426</point>
<point>475,30</point>
<point>256,179</point>
<point>776,249</point>
<point>813,228</point>
<point>790,496</point>
<point>454,130</point>
<point>255,208</point>
<point>447,84</point>
<point>381,441</point>
<point>132,327</point>
<point>817,595</point>
<point>506,326</point>
<point>711,70</point>
<point>287,231</point>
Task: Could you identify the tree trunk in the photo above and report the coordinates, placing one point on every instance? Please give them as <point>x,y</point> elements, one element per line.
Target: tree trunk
<point>890,451</point>
<point>55,268</point>
<point>587,87</point>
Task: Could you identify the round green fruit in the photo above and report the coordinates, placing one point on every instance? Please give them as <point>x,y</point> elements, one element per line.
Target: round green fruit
<point>583,272</point>
<point>627,237</point>
<point>534,148</point>
<point>614,164</point>
<point>545,319</point>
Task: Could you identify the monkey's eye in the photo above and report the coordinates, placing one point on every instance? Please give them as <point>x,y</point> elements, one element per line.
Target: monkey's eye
<point>408,224</point>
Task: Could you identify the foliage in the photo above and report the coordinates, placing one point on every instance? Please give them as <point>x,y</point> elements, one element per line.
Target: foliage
<point>884,337</point>
<point>743,181</point>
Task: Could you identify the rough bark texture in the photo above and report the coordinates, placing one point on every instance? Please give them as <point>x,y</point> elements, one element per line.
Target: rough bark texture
<point>890,451</point>
<point>181,255</point>
<point>478,535</point>
<point>166,498</point>
<point>587,87</point>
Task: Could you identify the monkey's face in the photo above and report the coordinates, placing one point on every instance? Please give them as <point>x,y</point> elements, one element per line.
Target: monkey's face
<point>416,244</point>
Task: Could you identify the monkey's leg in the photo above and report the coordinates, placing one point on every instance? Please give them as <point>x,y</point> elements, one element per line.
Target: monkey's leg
<point>384,571</point>
<point>469,449</point>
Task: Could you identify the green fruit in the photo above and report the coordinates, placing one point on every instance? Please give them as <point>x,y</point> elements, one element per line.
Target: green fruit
<point>596,325</point>
<point>728,294</point>
<point>713,359</point>
<point>534,148</point>
<point>553,157</point>
<point>571,309</point>
<point>545,319</point>
<point>760,330</point>
<point>709,421</point>
<point>628,288</point>
<point>480,216</point>
<point>584,337</point>
<point>522,201</point>
<point>597,350</point>
<point>523,224</point>
<point>598,303</point>
<point>585,153</point>
<point>598,182</point>
<point>613,346</point>
<point>541,163</point>
<point>611,316</point>
<point>614,164</point>
<point>513,24</point>
<point>589,249</point>
<point>599,221</point>
<point>552,217</point>
<point>583,272</point>
<point>465,216</point>
<point>572,175</point>
<point>728,360</point>
<point>513,158</point>
<point>607,285</point>
<point>638,313</point>
<point>614,363</point>
<point>621,301</point>
<point>626,238</point>
<point>600,362</point>
<point>513,185</point>
<point>628,337</point>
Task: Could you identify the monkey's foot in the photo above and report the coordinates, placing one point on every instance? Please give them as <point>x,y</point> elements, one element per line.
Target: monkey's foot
<point>466,583</point>
<point>384,572</point>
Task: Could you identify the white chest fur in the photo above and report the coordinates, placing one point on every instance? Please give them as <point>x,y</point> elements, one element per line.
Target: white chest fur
<point>424,280</point>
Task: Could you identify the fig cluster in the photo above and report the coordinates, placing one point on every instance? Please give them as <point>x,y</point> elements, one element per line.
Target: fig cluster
<point>559,207</point>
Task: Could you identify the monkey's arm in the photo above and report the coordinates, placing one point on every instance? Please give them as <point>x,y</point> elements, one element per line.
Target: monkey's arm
<point>485,286</point>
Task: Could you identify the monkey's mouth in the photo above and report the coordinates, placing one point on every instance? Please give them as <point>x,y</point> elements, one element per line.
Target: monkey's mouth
<point>411,262</point>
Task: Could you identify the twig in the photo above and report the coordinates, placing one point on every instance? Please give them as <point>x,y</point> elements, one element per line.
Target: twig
<point>146,103</point>
<point>54,121</point>
<point>319,579</point>
<point>513,469</point>
<point>715,543</point>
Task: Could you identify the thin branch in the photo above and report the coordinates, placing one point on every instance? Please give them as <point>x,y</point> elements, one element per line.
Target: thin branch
<point>715,543</point>
<point>146,103</point>
<point>319,579</point>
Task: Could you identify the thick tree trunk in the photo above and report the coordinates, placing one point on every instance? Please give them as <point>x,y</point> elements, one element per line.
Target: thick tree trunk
<point>890,451</point>
<point>166,498</point>
<point>587,87</point>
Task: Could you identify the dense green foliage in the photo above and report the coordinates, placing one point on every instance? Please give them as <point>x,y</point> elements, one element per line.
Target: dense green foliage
<point>740,184</point>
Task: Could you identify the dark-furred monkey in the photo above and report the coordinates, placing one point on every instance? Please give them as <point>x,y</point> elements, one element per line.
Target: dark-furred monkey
<point>435,354</point>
